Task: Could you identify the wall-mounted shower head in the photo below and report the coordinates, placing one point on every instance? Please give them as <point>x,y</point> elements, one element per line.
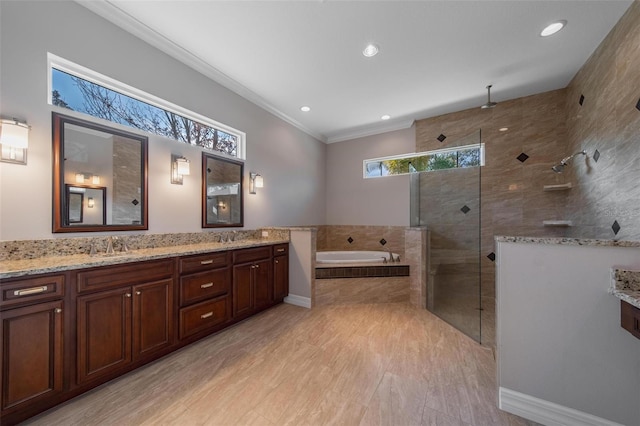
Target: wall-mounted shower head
<point>489,104</point>
<point>558,168</point>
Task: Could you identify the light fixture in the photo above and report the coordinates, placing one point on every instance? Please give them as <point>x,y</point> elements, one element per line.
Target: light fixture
<point>551,29</point>
<point>79,177</point>
<point>305,108</point>
<point>385,117</point>
<point>370,50</point>
<point>222,205</point>
<point>180,166</point>
<point>14,138</point>
<point>90,202</point>
<point>95,179</point>
<point>255,181</point>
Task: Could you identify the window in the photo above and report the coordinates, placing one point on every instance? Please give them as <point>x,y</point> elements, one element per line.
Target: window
<point>462,156</point>
<point>80,89</point>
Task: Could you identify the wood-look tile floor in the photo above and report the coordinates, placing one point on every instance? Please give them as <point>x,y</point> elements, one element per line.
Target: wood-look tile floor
<point>366,364</point>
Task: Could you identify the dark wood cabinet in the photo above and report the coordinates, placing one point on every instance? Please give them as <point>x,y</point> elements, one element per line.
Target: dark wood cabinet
<point>280,272</point>
<point>121,317</point>
<point>104,333</point>
<point>205,294</point>
<point>630,318</point>
<point>32,355</point>
<point>122,325</point>
<point>252,281</point>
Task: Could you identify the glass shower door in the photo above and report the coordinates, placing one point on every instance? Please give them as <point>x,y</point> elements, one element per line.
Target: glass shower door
<point>447,201</point>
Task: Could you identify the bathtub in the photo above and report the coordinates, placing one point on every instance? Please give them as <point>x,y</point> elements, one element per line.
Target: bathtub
<point>352,256</point>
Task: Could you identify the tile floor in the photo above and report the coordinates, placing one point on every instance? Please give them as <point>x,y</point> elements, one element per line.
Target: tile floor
<point>365,364</point>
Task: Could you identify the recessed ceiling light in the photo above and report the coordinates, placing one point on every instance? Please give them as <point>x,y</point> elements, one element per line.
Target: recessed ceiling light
<point>305,108</point>
<point>385,117</point>
<point>503,129</point>
<point>553,28</point>
<point>370,50</point>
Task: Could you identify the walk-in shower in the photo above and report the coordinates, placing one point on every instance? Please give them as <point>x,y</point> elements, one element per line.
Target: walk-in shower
<point>559,168</point>
<point>447,201</point>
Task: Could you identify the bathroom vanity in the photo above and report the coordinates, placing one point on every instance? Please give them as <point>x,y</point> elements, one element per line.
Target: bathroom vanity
<point>74,322</point>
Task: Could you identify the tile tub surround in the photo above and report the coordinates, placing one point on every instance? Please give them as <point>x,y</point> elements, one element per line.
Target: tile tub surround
<point>348,291</point>
<point>625,285</point>
<point>32,249</point>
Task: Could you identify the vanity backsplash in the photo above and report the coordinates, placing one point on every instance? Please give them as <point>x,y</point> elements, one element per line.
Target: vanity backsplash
<point>32,249</point>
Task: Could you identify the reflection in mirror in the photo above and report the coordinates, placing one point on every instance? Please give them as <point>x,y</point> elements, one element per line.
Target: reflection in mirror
<point>221,192</point>
<point>100,181</point>
<point>86,205</point>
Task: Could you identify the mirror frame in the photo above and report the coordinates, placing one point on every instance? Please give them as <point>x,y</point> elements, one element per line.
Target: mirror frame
<point>59,191</point>
<point>205,157</point>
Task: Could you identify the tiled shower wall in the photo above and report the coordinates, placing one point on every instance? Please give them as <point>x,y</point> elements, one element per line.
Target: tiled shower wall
<point>517,165</point>
<point>603,115</point>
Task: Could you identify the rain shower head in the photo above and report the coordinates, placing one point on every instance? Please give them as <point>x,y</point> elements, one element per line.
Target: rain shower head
<point>489,104</point>
<point>558,168</point>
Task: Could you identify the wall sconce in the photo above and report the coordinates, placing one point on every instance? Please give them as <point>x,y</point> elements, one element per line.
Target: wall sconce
<point>14,138</point>
<point>255,181</point>
<point>90,202</point>
<point>222,205</point>
<point>83,177</point>
<point>180,166</point>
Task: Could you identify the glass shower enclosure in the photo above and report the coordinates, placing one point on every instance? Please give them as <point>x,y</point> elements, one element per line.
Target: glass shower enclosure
<point>446,200</point>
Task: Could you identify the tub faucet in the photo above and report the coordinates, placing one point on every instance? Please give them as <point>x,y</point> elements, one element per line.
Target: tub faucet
<point>391,259</point>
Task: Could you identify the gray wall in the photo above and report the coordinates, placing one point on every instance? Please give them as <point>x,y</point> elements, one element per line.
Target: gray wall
<point>559,333</point>
<point>353,200</point>
<point>292,163</point>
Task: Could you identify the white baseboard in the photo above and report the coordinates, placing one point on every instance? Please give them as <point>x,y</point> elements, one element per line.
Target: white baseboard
<point>545,412</point>
<point>293,299</point>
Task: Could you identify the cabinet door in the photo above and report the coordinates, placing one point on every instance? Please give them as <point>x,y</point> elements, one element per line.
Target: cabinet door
<point>242,289</point>
<point>280,277</point>
<point>31,353</point>
<point>152,317</point>
<point>263,283</point>
<point>104,333</point>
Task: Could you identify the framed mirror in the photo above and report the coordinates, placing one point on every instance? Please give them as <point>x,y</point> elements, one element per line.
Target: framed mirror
<point>99,177</point>
<point>85,205</point>
<point>221,192</point>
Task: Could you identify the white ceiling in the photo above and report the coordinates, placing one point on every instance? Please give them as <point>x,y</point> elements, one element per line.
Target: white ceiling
<point>435,56</point>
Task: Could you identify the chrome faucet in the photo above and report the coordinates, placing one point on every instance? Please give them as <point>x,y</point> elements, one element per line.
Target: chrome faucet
<point>110,245</point>
<point>391,259</point>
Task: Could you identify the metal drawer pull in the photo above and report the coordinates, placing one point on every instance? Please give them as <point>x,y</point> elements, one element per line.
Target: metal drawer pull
<point>280,250</point>
<point>277,261</point>
<point>58,310</point>
<point>28,291</point>
<point>207,285</point>
<point>127,294</point>
<point>138,293</point>
<point>207,315</point>
<point>206,262</point>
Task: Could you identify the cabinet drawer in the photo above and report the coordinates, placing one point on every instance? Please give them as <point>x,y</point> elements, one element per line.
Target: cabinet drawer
<point>122,275</point>
<point>204,315</point>
<point>203,262</point>
<point>33,289</point>
<point>630,318</point>
<point>280,249</point>
<point>204,285</point>
<point>252,254</point>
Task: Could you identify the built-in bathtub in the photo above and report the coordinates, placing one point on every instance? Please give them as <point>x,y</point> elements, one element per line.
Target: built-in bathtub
<point>352,257</point>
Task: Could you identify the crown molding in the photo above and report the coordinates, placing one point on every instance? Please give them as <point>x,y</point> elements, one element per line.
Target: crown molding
<point>369,131</point>
<point>117,16</point>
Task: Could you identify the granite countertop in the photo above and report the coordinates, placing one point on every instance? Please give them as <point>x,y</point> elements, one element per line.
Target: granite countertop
<point>625,285</point>
<point>567,241</point>
<point>41,265</point>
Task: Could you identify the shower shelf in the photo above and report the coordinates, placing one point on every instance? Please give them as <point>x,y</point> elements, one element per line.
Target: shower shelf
<point>560,187</point>
<point>557,223</point>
